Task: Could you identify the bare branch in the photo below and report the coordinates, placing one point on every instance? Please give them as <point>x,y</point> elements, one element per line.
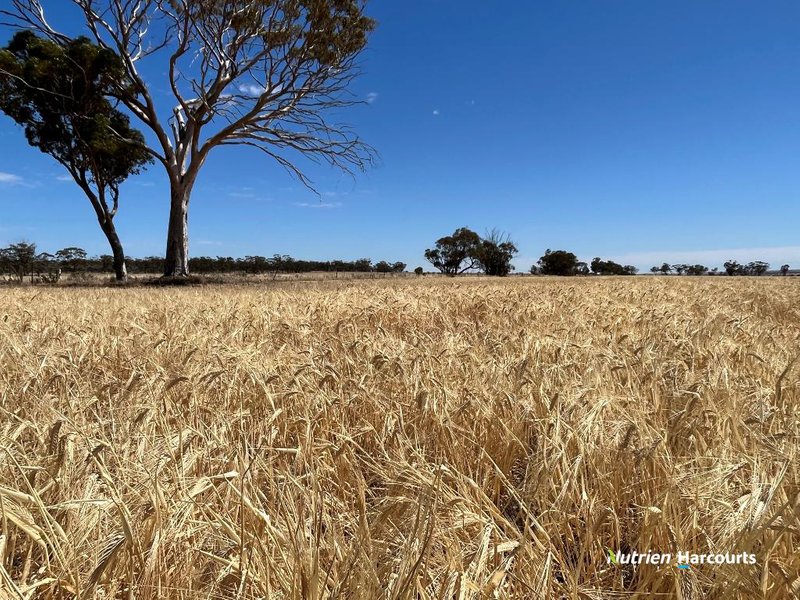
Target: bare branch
<point>29,14</point>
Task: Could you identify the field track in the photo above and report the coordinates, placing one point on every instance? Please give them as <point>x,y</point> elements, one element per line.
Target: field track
<point>420,439</point>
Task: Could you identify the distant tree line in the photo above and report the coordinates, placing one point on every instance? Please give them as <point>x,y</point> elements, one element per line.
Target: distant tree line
<point>23,259</point>
<point>609,267</point>
<point>680,269</point>
<point>731,267</point>
<point>565,264</point>
<point>465,251</point>
<point>752,268</point>
<point>461,252</point>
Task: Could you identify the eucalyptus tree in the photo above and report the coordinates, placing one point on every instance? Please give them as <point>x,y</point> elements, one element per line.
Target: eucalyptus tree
<point>56,90</point>
<point>558,262</point>
<point>455,254</point>
<point>18,258</point>
<point>272,75</point>
<point>495,252</point>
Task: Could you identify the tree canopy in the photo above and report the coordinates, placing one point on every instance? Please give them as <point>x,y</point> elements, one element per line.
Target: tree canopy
<point>609,267</point>
<point>455,254</point>
<point>494,254</point>
<point>58,94</point>
<point>558,262</point>
<point>57,91</point>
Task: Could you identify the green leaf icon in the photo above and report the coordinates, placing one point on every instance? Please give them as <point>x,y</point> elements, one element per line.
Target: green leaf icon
<point>612,556</point>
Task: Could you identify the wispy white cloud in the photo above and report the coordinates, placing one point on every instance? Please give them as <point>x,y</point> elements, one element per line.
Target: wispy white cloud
<point>11,179</point>
<point>436,112</point>
<point>63,178</point>
<point>251,89</point>
<point>255,90</point>
<point>318,204</point>
<point>372,97</point>
<point>209,243</point>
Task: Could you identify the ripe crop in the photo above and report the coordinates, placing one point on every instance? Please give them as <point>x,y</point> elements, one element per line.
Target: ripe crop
<point>423,439</point>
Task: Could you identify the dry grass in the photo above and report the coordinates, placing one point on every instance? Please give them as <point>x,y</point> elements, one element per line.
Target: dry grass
<point>410,439</point>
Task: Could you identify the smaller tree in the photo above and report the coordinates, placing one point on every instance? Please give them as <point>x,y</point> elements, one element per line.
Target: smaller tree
<point>47,267</point>
<point>666,269</point>
<point>383,267</point>
<point>419,271</point>
<point>58,93</point>
<point>277,263</point>
<point>733,268</point>
<point>784,270</point>
<point>609,267</point>
<point>455,254</point>
<point>494,254</point>
<point>655,270</point>
<point>19,259</point>
<point>696,270</point>
<point>680,269</point>
<point>72,259</point>
<point>757,267</point>
<point>581,268</point>
<point>255,264</point>
<point>398,267</point>
<point>106,263</point>
<point>363,265</point>
<point>558,262</point>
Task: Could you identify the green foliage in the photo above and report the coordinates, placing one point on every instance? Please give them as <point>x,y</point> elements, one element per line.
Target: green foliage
<point>455,254</point>
<point>696,269</point>
<point>465,250</point>
<point>758,267</point>
<point>609,267</point>
<point>558,262</point>
<point>72,259</point>
<point>18,259</point>
<point>21,258</point>
<point>57,92</point>
<point>680,268</point>
<point>324,31</point>
<point>494,254</point>
<point>732,267</point>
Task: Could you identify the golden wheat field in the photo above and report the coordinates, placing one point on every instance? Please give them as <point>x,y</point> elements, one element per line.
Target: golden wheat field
<point>444,439</point>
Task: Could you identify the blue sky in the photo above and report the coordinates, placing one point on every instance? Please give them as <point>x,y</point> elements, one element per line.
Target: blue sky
<point>638,131</point>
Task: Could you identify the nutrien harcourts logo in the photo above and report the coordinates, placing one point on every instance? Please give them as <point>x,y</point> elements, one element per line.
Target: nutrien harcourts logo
<point>681,559</point>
